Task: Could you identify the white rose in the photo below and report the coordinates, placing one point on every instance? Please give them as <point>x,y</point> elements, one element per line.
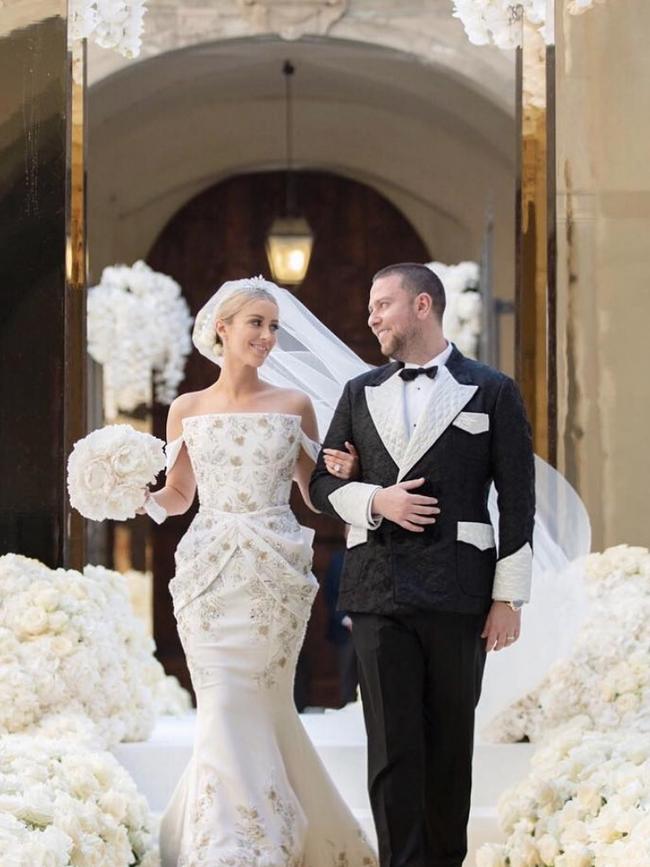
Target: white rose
<point>589,797</point>
<point>468,305</point>
<point>37,807</point>
<point>48,598</point>
<point>491,855</point>
<point>33,621</point>
<point>128,460</point>
<point>114,803</point>
<point>97,476</point>
<point>575,856</point>
<point>548,848</point>
<point>61,645</point>
<point>575,832</point>
<point>628,703</point>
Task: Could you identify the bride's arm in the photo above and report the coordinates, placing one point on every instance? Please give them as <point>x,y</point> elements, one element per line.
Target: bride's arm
<point>180,485</point>
<point>306,463</point>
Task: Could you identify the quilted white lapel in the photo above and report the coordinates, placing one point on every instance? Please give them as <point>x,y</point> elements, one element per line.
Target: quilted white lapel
<point>386,407</point>
<point>447,400</point>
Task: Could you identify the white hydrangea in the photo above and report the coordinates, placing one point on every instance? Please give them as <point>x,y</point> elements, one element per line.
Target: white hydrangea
<point>138,328</point>
<point>462,320</point>
<point>63,804</point>
<point>109,470</point>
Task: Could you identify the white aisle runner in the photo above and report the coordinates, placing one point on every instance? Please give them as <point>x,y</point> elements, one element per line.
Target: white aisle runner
<point>339,737</point>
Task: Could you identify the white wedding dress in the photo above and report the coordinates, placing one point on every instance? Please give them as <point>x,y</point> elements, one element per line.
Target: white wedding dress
<point>255,793</point>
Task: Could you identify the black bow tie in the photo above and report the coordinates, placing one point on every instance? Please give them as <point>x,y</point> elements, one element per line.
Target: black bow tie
<point>408,374</point>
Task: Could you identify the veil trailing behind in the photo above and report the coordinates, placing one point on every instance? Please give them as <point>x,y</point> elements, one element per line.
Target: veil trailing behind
<point>309,357</point>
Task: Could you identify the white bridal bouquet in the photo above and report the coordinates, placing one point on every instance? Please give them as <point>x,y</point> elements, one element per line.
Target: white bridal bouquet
<point>62,804</point>
<point>109,470</point>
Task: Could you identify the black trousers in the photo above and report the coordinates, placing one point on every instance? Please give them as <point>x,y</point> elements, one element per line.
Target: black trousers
<point>420,677</point>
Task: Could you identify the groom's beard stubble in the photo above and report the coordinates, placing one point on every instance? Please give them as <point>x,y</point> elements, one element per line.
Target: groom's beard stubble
<point>397,347</point>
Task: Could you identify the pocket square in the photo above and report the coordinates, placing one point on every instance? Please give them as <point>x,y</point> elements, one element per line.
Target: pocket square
<point>477,534</point>
<point>472,422</point>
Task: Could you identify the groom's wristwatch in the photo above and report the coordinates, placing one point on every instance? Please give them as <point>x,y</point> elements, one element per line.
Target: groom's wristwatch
<point>515,604</point>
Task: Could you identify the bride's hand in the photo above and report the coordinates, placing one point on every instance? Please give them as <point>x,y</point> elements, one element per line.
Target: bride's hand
<point>141,510</point>
<point>343,465</point>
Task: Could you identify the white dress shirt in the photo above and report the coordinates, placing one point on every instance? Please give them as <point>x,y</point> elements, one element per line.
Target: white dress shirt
<point>418,392</point>
<point>353,502</point>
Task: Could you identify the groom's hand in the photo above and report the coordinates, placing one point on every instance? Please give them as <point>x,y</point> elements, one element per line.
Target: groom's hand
<point>411,511</point>
<point>502,627</point>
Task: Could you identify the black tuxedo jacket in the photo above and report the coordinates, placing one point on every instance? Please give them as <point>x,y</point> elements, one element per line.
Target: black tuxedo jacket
<point>472,432</point>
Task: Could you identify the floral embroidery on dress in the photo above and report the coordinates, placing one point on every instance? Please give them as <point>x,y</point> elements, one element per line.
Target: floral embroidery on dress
<point>243,592</point>
<point>193,854</point>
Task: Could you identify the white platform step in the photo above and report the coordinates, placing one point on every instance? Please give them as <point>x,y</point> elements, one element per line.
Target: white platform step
<point>339,737</point>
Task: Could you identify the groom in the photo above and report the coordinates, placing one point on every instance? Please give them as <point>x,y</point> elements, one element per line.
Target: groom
<point>426,591</point>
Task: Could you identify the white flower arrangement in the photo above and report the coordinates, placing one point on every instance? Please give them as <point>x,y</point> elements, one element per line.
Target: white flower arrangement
<point>62,804</point>
<point>500,22</point>
<point>138,328</point>
<point>70,644</point>
<point>462,317</point>
<point>607,677</point>
<point>116,24</point>
<point>577,7</point>
<point>585,803</point>
<point>109,470</point>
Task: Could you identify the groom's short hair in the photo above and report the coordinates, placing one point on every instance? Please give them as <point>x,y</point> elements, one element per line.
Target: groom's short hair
<point>417,279</point>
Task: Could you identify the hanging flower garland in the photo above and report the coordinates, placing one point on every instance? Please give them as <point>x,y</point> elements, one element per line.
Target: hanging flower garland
<point>116,24</point>
<point>500,22</point>
<point>138,327</point>
<point>462,320</point>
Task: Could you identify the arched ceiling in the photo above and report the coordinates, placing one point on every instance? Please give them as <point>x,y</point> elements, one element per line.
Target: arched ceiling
<point>424,29</point>
<point>429,135</point>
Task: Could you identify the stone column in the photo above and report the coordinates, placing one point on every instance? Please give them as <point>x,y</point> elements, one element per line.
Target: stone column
<point>603,216</point>
<point>41,337</point>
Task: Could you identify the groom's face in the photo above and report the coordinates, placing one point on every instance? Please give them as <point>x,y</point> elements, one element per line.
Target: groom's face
<point>392,318</point>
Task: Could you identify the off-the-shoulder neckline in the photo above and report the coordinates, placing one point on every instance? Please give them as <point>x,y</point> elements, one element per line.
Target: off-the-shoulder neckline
<point>213,414</point>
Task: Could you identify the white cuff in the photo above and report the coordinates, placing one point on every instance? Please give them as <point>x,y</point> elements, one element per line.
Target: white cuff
<point>155,511</point>
<point>353,504</point>
<point>512,577</point>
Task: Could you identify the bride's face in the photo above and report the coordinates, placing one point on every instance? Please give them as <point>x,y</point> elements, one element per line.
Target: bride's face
<point>251,333</point>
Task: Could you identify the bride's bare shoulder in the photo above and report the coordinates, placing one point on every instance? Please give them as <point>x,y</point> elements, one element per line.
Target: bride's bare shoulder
<point>289,400</point>
<point>185,404</point>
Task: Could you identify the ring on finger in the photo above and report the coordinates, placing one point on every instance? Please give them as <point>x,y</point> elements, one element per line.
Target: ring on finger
<point>337,468</point>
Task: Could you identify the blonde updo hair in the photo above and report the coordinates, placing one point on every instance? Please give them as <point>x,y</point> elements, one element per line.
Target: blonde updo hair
<point>232,304</point>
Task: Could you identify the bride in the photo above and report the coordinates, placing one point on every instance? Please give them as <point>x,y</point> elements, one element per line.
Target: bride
<point>254,793</point>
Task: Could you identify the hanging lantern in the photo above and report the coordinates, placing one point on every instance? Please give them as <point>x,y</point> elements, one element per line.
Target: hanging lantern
<point>290,240</point>
<point>288,248</point>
